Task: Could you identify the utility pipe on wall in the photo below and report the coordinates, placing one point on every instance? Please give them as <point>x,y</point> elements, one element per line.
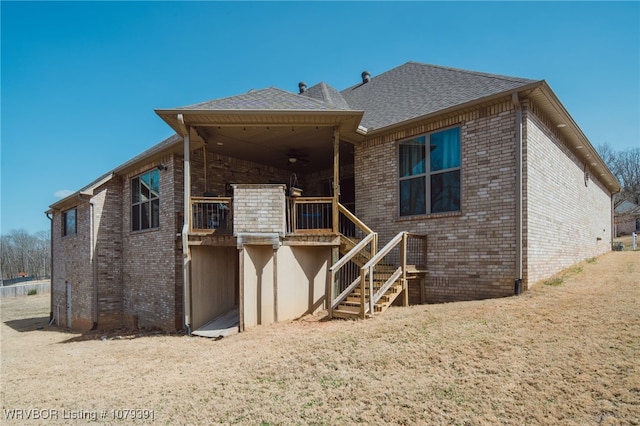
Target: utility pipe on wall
<point>94,264</point>
<point>186,255</point>
<point>51,317</point>
<point>519,237</point>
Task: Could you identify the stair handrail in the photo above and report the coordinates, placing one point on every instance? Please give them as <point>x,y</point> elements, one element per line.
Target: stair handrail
<point>353,252</point>
<point>353,218</point>
<point>333,270</point>
<point>367,271</point>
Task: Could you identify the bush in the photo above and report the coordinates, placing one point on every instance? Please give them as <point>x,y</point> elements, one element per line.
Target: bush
<point>32,292</point>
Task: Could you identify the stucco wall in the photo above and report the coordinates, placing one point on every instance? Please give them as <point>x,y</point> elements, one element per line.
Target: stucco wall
<point>302,274</point>
<point>214,282</point>
<point>567,220</point>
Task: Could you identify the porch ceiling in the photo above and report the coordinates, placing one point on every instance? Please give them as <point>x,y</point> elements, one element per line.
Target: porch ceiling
<point>272,137</point>
<point>311,147</point>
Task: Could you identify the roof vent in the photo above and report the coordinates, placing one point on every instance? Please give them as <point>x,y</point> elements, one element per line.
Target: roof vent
<point>366,76</point>
<point>302,86</point>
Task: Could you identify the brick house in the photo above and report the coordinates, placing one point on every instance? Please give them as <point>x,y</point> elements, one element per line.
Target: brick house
<point>626,218</point>
<point>270,204</point>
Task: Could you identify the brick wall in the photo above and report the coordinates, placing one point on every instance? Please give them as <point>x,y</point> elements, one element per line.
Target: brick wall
<point>566,220</point>
<point>471,253</point>
<point>108,253</point>
<point>72,265</point>
<point>150,257</point>
<point>259,208</point>
<point>222,171</point>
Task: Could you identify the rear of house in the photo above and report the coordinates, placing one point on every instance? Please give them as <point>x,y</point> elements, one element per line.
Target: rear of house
<point>423,184</point>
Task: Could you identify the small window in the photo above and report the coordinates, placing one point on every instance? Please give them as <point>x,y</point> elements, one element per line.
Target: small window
<point>69,226</point>
<point>429,180</point>
<point>145,201</point>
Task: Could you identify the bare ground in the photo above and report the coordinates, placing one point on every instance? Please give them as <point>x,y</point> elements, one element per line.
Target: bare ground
<point>567,354</point>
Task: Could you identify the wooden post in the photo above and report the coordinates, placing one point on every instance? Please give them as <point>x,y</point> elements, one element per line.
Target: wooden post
<point>423,278</point>
<point>371,307</point>
<point>241,288</point>
<point>336,178</point>
<point>275,285</point>
<point>363,280</point>
<point>403,259</point>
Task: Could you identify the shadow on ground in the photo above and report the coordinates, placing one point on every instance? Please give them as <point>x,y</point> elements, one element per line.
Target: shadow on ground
<point>30,324</point>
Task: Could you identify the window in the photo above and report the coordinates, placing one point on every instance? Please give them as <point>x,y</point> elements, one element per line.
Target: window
<point>145,201</point>
<point>69,226</point>
<point>429,179</point>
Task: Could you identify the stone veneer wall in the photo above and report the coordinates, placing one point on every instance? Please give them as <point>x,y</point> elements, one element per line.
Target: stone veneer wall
<point>567,220</point>
<point>471,253</point>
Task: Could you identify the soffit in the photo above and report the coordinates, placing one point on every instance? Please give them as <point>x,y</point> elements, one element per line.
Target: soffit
<point>545,99</point>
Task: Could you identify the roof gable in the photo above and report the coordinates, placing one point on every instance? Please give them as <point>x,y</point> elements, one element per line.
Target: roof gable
<point>413,90</point>
<point>327,94</point>
<point>270,98</point>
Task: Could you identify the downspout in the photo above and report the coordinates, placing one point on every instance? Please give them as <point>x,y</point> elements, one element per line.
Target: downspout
<point>51,317</point>
<point>94,265</point>
<point>519,212</point>
<point>186,254</point>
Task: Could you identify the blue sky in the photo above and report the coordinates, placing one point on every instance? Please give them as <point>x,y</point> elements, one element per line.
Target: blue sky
<point>80,80</point>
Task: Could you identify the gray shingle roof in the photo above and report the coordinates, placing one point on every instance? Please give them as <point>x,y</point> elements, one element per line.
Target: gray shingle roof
<point>413,90</point>
<point>270,98</point>
<point>409,91</point>
<point>327,94</point>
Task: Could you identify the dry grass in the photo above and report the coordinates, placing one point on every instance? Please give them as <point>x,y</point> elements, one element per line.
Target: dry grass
<point>565,354</point>
<point>627,241</point>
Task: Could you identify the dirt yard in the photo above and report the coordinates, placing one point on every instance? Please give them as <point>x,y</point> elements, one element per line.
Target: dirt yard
<point>565,353</point>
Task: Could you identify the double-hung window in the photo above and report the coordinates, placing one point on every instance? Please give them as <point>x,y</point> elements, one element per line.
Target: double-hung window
<point>69,226</point>
<point>145,201</point>
<point>429,178</point>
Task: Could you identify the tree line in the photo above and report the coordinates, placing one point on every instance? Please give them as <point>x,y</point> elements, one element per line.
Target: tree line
<point>22,253</point>
<point>625,165</point>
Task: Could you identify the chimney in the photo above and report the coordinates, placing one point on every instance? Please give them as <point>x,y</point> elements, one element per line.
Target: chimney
<point>366,76</point>
<point>302,86</point>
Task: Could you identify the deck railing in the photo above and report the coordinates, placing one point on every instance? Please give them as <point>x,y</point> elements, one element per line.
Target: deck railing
<point>352,232</point>
<point>406,252</point>
<point>309,215</point>
<point>212,214</point>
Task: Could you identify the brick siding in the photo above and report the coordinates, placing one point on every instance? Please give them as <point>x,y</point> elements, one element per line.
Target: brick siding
<point>471,253</point>
<point>259,209</point>
<point>566,220</point>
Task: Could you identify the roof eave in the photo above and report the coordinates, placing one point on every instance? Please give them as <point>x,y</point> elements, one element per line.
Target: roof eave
<point>576,140</point>
<point>87,191</point>
<point>467,105</point>
<point>271,117</point>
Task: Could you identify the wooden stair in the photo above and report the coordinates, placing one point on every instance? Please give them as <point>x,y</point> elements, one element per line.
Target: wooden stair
<point>350,306</point>
<point>348,243</point>
<point>362,260</point>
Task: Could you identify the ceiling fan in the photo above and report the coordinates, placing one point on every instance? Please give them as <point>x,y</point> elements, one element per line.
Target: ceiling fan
<point>294,156</point>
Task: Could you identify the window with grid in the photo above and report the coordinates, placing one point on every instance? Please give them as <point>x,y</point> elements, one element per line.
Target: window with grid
<point>429,173</point>
<point>69,226</point>
<point>145,201</point>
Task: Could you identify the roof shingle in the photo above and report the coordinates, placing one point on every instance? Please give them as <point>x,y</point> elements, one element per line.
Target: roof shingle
<point>413,90</point>
<point>270,98</point>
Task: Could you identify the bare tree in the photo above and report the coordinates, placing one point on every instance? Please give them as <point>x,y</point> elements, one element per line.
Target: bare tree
<point>625,165</point>
<point>21,252</point>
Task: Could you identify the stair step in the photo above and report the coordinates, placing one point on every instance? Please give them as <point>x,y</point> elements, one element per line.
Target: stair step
<point>356,299</point>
